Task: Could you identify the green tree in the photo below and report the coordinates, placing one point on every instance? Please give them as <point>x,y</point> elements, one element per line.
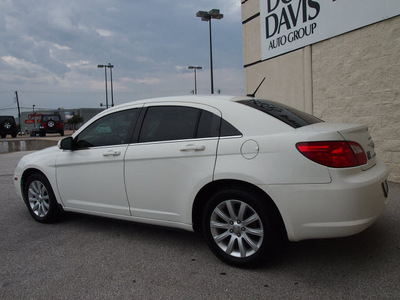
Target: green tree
<point>75,120</point>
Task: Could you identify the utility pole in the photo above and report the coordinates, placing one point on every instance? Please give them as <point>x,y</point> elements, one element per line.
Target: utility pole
<point>19,111</point>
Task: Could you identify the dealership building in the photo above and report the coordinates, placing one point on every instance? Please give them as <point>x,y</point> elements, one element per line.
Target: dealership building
<point>338,60</point>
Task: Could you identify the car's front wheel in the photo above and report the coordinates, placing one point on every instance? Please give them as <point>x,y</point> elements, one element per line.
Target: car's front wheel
<point>237,228</point>
<point>40,199</point>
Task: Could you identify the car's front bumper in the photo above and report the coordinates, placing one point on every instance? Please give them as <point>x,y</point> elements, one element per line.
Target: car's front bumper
<point>346,206</point>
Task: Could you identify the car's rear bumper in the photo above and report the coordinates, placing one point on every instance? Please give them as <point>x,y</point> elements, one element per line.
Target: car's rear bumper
<point>346,206</point>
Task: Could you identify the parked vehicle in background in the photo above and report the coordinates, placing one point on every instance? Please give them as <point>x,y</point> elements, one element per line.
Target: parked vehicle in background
<point>8,126</point>
<point>244,172</point>
<point>51,124</point>
<point>35,131</point>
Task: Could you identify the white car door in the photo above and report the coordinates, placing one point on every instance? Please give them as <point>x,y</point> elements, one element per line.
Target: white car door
<point>173,158</point>
<point>91,178</point>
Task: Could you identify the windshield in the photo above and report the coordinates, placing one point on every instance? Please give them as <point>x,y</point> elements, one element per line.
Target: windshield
<point>289,115</point>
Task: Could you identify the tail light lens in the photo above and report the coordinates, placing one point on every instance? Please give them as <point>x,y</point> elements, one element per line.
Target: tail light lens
<point>335,154</point>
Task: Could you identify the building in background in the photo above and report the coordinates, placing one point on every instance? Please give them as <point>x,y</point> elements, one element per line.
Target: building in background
<point>339,60</point>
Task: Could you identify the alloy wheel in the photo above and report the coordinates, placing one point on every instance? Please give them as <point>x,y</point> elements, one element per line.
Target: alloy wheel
<point>39,199</point>
<point>236,228</point>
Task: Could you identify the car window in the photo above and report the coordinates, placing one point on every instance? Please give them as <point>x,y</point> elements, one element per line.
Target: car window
<point>113,129</point>
<point>163,123</point>
<point>210,124</point>
<point>284,113</point>
<point>48,118</point>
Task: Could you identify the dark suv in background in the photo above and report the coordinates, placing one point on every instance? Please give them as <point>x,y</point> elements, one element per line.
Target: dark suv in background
<point>51,124</point>
<point>8,126</point>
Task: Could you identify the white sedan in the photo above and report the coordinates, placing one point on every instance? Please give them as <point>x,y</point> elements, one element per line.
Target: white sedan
<point>244,172</point>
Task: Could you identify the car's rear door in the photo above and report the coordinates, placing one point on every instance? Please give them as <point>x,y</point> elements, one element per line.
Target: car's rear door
<point>173,158</point>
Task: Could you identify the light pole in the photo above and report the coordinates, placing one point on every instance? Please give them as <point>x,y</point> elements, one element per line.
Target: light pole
<point>110,66</point>
<point>105,79</point>
<point>195,79</point>
<point>207,16</point>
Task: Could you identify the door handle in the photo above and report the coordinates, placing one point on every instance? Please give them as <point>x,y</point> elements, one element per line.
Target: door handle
<point>192,147</point>
<point>111,153</point>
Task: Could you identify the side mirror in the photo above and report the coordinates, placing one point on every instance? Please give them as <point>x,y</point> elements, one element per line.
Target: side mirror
<point>66,144</point>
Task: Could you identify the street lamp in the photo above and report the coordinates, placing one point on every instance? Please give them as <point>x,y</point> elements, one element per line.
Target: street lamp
<point>207,16</point>
<point>195,79</point>
<point>105,79</point>
<point>110,66</point>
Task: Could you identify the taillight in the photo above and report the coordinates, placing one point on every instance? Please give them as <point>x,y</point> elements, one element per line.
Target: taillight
<point>335,154</point>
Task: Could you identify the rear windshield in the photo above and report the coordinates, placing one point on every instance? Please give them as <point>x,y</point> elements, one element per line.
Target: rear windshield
<point>289,115</point>
<point>48,118</point>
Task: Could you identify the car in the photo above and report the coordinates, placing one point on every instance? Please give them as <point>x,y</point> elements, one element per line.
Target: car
<point>34,132</point>
<point>246,173</point>
<point>51,124</point>
<point>8,126</point>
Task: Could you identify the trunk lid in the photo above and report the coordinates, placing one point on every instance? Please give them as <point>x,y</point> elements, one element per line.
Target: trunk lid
<point>360,134</point>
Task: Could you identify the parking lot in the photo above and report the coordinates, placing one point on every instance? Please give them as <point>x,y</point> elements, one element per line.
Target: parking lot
<point>86,257</point>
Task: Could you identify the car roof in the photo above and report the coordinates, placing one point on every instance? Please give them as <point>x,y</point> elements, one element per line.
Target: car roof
<point>216,101</point>
<point>203,99</point>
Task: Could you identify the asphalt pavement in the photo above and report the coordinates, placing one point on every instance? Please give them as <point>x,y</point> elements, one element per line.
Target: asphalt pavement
<point>86,257</point>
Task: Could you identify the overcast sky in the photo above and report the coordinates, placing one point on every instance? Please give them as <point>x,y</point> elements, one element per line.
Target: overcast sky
<point>49,50</point>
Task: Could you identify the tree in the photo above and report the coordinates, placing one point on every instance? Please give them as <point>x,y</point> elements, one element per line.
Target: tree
<point>75,120</point>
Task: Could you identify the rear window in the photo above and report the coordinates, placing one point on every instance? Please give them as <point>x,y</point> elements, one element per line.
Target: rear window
<point>48,118</point>
<point>289,115</point>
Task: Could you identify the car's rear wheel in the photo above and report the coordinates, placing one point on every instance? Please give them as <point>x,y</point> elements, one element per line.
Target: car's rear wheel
<point>237,228</point>
<point>40,199</point>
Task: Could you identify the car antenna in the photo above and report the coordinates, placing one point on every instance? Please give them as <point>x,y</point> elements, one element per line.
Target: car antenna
<point>254,94</point>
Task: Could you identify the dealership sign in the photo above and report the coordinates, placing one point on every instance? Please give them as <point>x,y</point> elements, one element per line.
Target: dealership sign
<point>287,25</point>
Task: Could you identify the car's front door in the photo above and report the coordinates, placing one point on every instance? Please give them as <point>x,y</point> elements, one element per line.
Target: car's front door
<point>91,177</point>
<point>172,159</point>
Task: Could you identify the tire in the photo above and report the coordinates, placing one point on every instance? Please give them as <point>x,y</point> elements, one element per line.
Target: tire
<point>51,124</point>
<point>7,125</point>
<point>40,200</point>
<point>237,228</point>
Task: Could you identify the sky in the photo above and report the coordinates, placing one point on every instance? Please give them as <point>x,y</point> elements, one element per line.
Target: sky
<point>49,51</point>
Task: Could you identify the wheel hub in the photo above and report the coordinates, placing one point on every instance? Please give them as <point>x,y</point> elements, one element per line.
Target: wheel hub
<point>236,229</point>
